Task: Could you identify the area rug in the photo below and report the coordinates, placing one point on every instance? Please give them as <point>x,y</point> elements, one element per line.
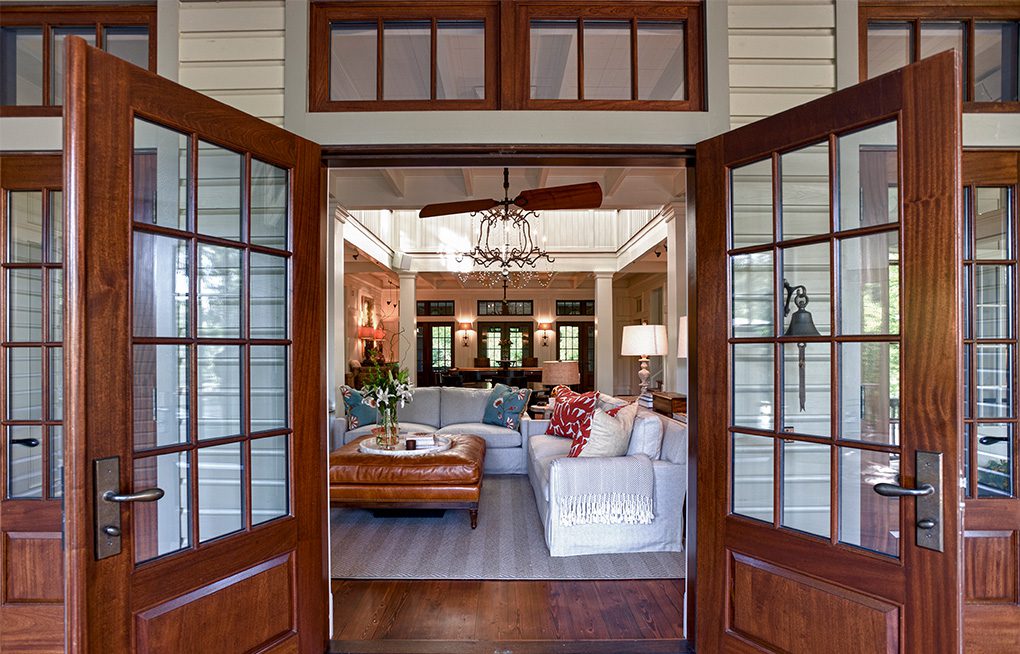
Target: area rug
<point>508,544</point>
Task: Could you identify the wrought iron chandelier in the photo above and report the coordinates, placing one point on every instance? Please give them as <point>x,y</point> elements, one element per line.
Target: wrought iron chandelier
<point>516,279</point>
<point>509,223</point>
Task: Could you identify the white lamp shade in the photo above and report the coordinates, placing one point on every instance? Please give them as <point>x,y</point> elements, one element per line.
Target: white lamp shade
<point>555,373</point>
<point>681,338</point>
<point>643,340</point>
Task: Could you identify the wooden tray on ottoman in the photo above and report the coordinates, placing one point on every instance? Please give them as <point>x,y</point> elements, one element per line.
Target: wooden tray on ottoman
<point>451,479</point>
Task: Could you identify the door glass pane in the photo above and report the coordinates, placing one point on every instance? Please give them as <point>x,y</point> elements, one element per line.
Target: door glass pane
<point>939,36</point>
<point>806,266</point>
<point>807,404</point>
<point>163,526</point>
<point>268,387</point>
<point>442,346</point>
<point>660,60</point>
<point>220,176</point>
<point>55,249</point>
<point>867,519</point>
<point>995,459</point>
<point>56,410</point>
<point>219,391</point>
<point>806,473</point>
<point>992,234</point>
<point>161,286</point>
<point>753,476</point>
<point>219,292</point>
<point>56,460</point>
<point>270,466</point>
<point>994,375</point>
<point>268,296</point>
<point>24,297</point>
<point>569,343</point>
<point>24,383</point>
<point>160,395</point>
<point>870,392</point>
<point>460,60</point>
<point>804,190</point>
<point>268,205</point>
<point>130,43</point>
<point>751,193</point>
<point>56,304</point>
<point>21,75</point>
<point>554,59</point>
<point>353,61</point>
<point>407,54</point>
<point>60,35</point>
<point>160,176</point>
<point>993,288</point>
<point>24,456</point>
<point>868,187</point>
<point>889,46</point>
<point>753,303</point>
<point>24,220</point>
<point>753,385</point>
<point>607,60</point>
<point>996,50</point>
<point>869,278</point>
<point>220,491</point>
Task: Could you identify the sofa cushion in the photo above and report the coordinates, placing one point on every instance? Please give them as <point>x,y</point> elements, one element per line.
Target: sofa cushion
<point>405,428</point>
<point>674,441</point>
<point>610,434</point>
<point>544,450</point>
<point>458,405</point>
<point>423,407</point>
<point>495,437</point>
<point>646,436</point>
<point>505,406</point>
<point>358,413</point>
<point>571,416</point>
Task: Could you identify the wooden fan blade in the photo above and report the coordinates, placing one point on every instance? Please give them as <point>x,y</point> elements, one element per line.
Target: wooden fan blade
<point>447,208</point>
<point>572,196</point>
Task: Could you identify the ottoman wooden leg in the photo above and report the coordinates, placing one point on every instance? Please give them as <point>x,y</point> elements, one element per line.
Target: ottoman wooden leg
<point>474,518</point>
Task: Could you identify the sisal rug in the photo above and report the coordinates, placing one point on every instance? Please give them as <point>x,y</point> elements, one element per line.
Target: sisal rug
<point>508,544</point>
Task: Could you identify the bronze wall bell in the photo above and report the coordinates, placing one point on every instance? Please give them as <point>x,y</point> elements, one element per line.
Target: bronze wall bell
<point>801,324</point>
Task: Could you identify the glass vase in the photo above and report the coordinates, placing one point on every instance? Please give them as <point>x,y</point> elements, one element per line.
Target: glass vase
<point>387,434</point>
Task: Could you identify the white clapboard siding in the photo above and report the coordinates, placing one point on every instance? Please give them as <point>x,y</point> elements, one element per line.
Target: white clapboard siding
<point>782,54</point>
<point>234,52</point>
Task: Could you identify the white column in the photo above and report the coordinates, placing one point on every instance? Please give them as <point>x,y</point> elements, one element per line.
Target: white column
<point>406,345</point>
<point>605,348</point>
<point>674,369</point>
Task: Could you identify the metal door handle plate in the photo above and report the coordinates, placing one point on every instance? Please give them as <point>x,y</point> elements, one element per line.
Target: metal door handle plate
<point>928,530</point>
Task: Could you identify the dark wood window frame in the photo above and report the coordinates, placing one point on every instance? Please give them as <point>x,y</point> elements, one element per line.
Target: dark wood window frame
<point>47,17</point>
<point>482,311</point>
<point>916,13</point>
<point>688,11</point>
<point>527,329</point>
<point>585,307</point>
<point>324,14</point>
<point>434,308</point>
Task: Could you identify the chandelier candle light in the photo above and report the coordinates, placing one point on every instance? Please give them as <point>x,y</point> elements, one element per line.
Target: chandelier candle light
<point>644,341</point>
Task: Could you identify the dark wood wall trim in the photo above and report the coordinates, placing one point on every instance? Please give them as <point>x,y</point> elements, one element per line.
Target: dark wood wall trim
<point>414,156</point>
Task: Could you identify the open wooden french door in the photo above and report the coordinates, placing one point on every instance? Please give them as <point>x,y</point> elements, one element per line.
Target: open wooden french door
<point>828,271</point>
<point>196,418</point>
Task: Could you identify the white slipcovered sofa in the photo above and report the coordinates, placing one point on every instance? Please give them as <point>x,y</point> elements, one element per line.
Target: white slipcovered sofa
<point>550,470</point>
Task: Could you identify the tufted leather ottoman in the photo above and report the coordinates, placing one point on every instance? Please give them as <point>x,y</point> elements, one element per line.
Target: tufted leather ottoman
<point>446,480</point>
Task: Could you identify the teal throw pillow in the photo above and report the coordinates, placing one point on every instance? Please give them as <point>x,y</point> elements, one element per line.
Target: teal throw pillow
<point>506,405</point>
<point>358,413</point>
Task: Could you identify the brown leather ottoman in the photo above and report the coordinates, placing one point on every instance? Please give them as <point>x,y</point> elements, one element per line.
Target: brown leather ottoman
<point>445,480</point>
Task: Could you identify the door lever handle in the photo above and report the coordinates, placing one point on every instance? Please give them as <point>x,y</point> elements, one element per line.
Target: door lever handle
<point>147,495</point>
<point>27,442</point>
<point>895,490</point>
<point>992,440</point>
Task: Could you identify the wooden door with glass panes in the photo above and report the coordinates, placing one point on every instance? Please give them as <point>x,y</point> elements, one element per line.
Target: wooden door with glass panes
<point>435,352</point>
<point>575,341</point>
<point>828,348</point>
<point>31,404</point>
<point>992,513</point>
<point>196,404</point>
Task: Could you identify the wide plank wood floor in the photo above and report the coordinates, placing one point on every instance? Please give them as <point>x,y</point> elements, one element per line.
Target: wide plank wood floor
<point>507,617</point>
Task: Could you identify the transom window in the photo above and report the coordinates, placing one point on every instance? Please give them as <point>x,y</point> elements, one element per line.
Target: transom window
<point>505,307</point>
<point>987,38</point>
<point>575,307</point>
<point>32,42</point>
<point>434,307</point>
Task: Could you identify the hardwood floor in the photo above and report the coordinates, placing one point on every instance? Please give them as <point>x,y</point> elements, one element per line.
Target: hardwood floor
<point>507,617</point>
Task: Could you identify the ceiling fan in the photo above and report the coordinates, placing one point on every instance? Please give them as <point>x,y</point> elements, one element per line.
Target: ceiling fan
<point>571,196</point>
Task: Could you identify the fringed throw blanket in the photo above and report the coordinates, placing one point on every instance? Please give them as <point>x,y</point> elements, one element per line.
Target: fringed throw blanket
<point>607,491</point>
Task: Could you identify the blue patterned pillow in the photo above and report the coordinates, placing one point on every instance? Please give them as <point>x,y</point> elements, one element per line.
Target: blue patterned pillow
<point>506,405</point>
<point>358,413</point>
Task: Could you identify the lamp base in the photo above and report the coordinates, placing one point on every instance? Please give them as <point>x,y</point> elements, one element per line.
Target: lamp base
<point>645,398</point>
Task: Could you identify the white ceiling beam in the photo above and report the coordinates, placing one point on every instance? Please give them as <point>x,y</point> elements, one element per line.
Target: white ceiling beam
<point>395,179</point>
<point>469,182</point>
<point>543,177</point>
<point>613,179</point>
<point>679,182</point>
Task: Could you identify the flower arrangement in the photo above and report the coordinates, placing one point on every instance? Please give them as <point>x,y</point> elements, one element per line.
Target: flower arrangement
<point>386,389</point>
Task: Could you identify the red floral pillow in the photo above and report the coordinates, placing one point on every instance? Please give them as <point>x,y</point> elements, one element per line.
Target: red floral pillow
<point>571,416</point>
<point>580,443</point>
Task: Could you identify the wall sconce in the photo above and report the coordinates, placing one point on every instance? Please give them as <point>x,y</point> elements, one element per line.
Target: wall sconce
<point>464,328</point>
<point>545,328</point>
<point>801,324</point>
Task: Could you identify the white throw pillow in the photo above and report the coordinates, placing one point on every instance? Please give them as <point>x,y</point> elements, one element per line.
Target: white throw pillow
<point>610,435</point>
<point>646,437</point>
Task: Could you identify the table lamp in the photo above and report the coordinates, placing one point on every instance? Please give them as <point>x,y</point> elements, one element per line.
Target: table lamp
<point>557,373</point>
<point>644,341</point>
